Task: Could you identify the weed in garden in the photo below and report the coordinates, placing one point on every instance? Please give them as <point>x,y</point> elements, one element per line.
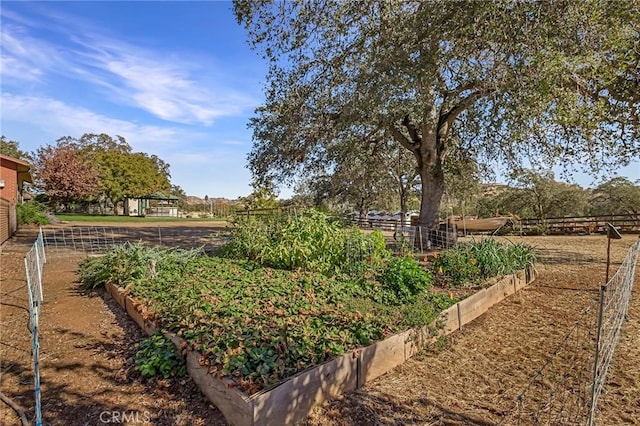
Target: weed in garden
<point>157,356</point>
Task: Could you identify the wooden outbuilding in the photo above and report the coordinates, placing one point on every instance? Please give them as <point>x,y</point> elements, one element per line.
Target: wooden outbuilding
<point>13,173</point>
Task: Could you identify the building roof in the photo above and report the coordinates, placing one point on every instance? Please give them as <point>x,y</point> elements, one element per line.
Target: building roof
<point>157,196</point>
<point>23,168</point>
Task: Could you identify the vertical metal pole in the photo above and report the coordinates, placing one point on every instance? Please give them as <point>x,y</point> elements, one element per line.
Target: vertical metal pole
<point>33,326</point>
<point>44,255</point>
<point>39,272</point>
<point>594,396</point>
<point>608,257</point>
<point>159,237</point>
<point>36,368</point>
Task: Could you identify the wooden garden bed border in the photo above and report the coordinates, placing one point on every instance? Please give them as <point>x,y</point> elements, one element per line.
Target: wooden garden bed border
<point>293,399</point>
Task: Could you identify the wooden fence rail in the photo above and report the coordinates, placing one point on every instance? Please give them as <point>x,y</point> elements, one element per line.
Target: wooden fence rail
<point>581,224</point>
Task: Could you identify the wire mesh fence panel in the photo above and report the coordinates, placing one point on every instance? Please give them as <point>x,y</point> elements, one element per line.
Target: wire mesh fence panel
<point>559,392</point>
<point>614,303</point>
<point>34,261</point>
<point>421,239</point>
<point>565,390</point>
<point>94,240</point>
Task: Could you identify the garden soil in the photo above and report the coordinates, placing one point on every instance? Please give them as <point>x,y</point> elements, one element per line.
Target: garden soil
<point>88,347</point>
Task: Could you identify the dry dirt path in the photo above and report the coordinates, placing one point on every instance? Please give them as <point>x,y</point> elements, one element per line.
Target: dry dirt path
<point>87,349</point>
<point>481,371</point>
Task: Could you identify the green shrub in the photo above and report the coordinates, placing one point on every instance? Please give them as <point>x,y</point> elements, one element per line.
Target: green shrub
<point>403,280</point>
<point>32,213</point>
<point>157,356</point>
<point>311,241</point>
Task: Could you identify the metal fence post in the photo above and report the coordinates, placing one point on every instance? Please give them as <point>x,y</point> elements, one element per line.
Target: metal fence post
<point>594,383</point>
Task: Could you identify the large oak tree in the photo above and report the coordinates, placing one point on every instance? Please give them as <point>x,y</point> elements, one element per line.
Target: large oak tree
<point>518,83</point>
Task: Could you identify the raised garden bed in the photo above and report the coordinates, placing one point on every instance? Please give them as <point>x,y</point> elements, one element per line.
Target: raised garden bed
<point>292,399</point>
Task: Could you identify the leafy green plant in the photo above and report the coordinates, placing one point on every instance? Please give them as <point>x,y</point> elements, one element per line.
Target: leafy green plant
<point>31,213</point>
<point>157,356</point>
<point>311,241</point>
<point>258,325</point>
<point>403,280</point>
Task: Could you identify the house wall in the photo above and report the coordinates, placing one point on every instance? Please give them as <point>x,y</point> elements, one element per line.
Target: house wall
<point>8,198</point>
<point>9,173</point>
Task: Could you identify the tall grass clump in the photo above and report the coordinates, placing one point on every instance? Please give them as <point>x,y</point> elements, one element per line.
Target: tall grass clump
<point>478,260</point>
<point>131,262</point>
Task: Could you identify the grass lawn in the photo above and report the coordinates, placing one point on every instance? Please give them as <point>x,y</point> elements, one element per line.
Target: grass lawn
<point>67,217</point>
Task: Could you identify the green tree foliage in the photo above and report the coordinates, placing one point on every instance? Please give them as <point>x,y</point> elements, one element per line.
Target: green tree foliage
<point>263,196</point>
<point>177,191</point>
<point>537,195</point>
<point>616,196</point>
<point>539,81</point>
<point>12,149</point>
<point>64,174</point>
<point>122,173</point>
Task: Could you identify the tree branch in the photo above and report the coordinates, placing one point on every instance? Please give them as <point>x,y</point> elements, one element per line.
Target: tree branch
<point>411,128</point>
<point>403,140</point>
<point>465,103</point>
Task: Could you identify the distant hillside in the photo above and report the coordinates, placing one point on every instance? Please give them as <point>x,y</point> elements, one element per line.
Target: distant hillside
<point>493,188</point>
<point>192,200</point>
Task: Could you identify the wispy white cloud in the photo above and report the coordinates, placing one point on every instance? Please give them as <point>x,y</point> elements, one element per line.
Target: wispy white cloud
<point>57,118</point>
<point>23,57</point>
<point>169,86</point>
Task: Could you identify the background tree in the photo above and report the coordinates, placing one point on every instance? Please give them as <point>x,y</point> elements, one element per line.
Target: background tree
<point>263,196</point>
<point>515,81</point>
<point>12,149</point>
<point>122,173</point>
<point>616,196</point>
<point>537,195</point>
<point>177,191</point>
<point>64,175</point>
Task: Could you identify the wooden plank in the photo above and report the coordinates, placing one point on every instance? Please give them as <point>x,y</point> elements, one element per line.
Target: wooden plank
<point>507,286</point>
<point>519,282</point>
<point>494,294</point>
<point>116,293</point>
<point>234,405</point>
<point>147,326</point>
<point>419,338</point>
<point>292,400</point>
<point>377,359</point>
<point>450,319</point>
<point>472,307</point>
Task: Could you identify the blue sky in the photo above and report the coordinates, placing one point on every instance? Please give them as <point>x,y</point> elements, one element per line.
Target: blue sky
<point>176,79</point>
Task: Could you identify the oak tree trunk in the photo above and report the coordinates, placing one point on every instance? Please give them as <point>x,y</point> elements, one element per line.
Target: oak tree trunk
<point>433,185</point>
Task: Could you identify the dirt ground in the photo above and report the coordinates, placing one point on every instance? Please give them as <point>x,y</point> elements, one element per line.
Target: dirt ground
<point>88,344</point>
